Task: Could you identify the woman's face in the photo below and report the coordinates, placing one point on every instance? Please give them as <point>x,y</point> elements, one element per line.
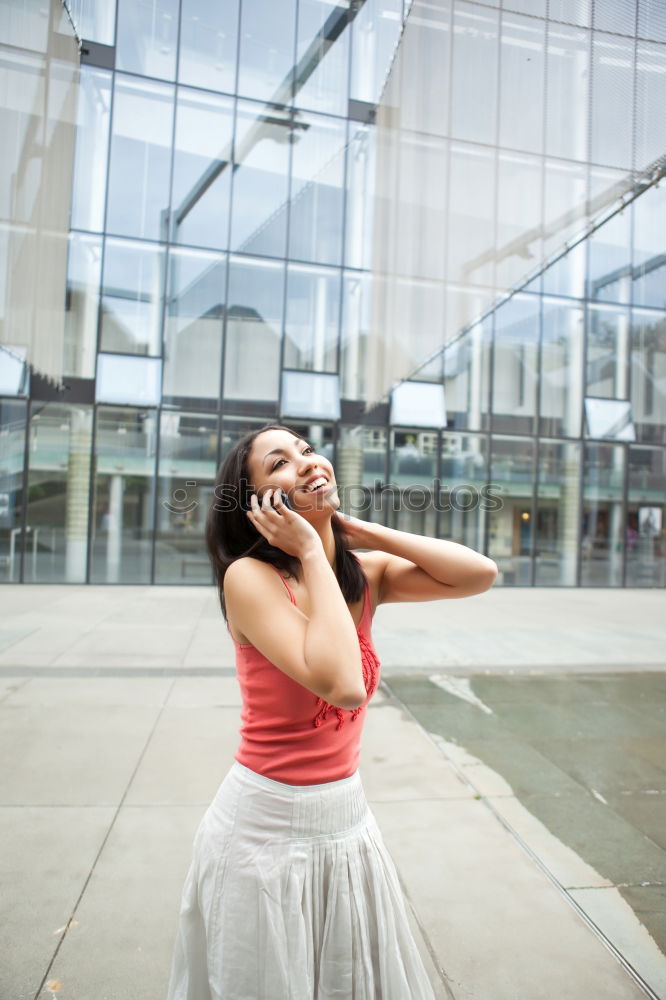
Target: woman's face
<point>278,459</point>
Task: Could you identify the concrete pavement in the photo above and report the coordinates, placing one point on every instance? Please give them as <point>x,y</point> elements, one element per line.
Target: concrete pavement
<point>119,716</point>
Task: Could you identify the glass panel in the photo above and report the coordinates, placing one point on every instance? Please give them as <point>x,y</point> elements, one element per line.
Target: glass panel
<point>375,33</point>
<point>564,208</point>
<point>512,476</point>
<point>471,214</point>
<point>208,43</point>
<point>193,327</point>
<point>518,238</point>
<point>360,195</point>
<point>557,515</point>
<point>568,75</point>
<point>652,20</point>
<point>609,274</point>
<point>607,352</point>
<point>648,374</point>
<point>355,332</point>
<point>259,202</point>
<point>360,470</point>
<point>322,56</point>
<point>122,528</point>
<point>422,167</point>
<point>317,183</point>
<point>650,102</point>
<point>424,76</point>
<point>84,270</point>
<point>132,294</point>
<point>92,146</point>
<point>515,364</point>
<point>310,394</point>
<point>58,493</point>
<point>412,468</point>
<point>312,320</point>
<point>13,414</point>
<point>619,16</point>
<point>255,303</point>
<point>418,404</point>
<point>573,11</point>
<point>609,418</point>
<point>465,497</point>
<point>561,393</point>
<point>267,50</point>
<point>646,518</point>
<point>14,372</point>
<point>140,158</point>
<point>522,83</point>
<point>202,169</point>
<point>602,541</point>
<point>24,25</point>
<point>466,364</point>
<point>612,100</point>
<point>147,37</point>
<point>128,380</point>
<point>234,428</point>
<point>95,20</point>
<point>475,55</point>
<point>649,284</point>
<point>187,467</point>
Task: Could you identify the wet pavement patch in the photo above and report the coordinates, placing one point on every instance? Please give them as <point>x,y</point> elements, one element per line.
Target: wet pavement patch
<point>585,754</point>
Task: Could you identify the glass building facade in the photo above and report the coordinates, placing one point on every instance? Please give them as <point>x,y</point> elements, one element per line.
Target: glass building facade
<point>430,237</point>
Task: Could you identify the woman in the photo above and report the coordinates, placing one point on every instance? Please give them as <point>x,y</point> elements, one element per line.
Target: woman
<point>291,892</point>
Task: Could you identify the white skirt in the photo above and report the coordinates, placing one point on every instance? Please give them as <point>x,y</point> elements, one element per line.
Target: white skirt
<point>292,895</point>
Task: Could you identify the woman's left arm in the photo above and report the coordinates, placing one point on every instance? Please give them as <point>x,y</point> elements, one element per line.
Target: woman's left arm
<point>416,568</point>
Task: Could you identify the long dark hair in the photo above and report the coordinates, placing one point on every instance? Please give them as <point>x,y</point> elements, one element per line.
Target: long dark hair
<point>230,534</point>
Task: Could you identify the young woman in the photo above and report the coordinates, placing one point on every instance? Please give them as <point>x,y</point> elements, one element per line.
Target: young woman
<point>291,892</point>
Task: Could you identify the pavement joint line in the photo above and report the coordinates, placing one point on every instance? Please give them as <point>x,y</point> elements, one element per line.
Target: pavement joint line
<point>617,954</point>
<point>103,844</point>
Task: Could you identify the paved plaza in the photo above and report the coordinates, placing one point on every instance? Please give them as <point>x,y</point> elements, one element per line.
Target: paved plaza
<point>515,759</point>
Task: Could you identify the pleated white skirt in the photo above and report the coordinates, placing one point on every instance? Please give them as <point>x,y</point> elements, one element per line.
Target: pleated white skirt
<point>292,895</point>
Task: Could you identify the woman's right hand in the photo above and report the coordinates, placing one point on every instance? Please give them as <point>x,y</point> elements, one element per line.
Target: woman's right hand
<point>280,526</point>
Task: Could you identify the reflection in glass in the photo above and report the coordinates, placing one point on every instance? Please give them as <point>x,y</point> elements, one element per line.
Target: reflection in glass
<point>201,169</point>
<point>466,371</point>
<point>58,493</point>
<point>312,317</point>
<point>522,83</point>
<point>572,11</point>
<point>13,415</point>
<point>512,476</point>
<point>464,499</point>
<point>92,144</point>
<point>515,364</point>
<point>360,201</point>
<point>561,383</point>
<point>123,520</point>
<point>607,352</point>
<point>310,394</point>
<point>81,304</point>
<point>475,57</point>
<point>650,99</point>
<point>425,77</point>
<point>645,537</point>
<point>564,207</point>
<point>138,196</point>
<point>208,42</point>
<point>354,333</point>
<point>651,20</point>
<point>375,33</point>
<point>317,187</point>
<point>618,16</point>
<point>322,56</point>
<point>95,20</point>
<point>609,418</point>
<point>147,37</point>
<point>254,319</point>
<point>14,371</point>
<point>518,238</point>
<point>649,274</point>
<point>412,469</point>
<point>132,291</point>
<point>267,46</point>
<point>360,470</point>
<point>566,118</point>
<point>193,324</point>
<point>418,404</point>
<point>472,178</point>
<point>259,201</point>
<point>557,514</point>
<point>602,541</point>
<point>612,100</point>
<point>648,374</point>
<point>609,269</point>
<point>187,467</point>
<point>123,379</point>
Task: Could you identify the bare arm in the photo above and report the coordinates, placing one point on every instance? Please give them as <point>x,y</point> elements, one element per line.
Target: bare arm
<point>416,568</point>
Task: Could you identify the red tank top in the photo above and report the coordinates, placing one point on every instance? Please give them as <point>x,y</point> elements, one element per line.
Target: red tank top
<point>287,732</point>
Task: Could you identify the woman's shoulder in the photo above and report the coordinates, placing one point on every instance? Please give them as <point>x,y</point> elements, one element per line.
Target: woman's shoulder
<point>248,571</point>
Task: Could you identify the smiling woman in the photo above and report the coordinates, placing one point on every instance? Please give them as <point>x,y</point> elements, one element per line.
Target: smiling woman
<point>291,891</point>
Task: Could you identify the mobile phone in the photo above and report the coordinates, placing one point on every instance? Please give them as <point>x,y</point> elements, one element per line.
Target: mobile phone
<point>285,500</point>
